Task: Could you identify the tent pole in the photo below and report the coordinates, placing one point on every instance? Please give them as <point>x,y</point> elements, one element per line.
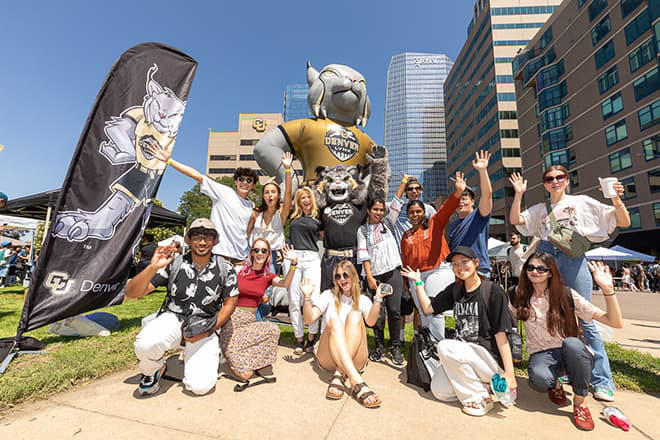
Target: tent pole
<point>46,225</point>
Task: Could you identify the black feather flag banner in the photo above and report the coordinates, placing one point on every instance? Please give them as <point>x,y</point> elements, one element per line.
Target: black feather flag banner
<point>106,196</point>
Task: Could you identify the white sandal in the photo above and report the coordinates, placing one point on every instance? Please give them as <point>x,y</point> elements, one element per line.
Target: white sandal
<point>478,409</point>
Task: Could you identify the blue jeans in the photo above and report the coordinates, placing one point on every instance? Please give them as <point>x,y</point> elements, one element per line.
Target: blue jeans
<point>576,275</point>
<point>571,358</point>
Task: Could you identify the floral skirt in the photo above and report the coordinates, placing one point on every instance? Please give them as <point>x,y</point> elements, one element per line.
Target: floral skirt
<point>247,344</point>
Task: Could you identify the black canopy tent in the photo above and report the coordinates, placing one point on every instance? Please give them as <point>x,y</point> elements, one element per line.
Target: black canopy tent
<point>36,206</point>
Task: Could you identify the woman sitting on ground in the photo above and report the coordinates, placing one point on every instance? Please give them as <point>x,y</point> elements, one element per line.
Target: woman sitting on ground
<point>342,348</point>
<point>548,309</point>
<point>247,344</point>
<point>481,347</point>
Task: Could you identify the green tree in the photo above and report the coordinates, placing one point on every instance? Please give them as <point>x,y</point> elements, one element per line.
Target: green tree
<point>193,204</point>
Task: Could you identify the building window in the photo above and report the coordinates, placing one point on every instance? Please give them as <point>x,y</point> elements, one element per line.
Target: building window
<point>246,157</point>
<point>510,152</point>
<point>629,188</point>
<point>518,26</point>
<point>221,170</point>
<point>652,147</point>
<point>546,38</point>
<point>504,79</point>
<point>554,117</point>
<point>504,60</point>
<point>599,31</point>
<point>638,26</point>
<point>616,132</point>
<point>608,80</point>
<point>612,105</point>
<point>635,219</point>
<point>654,180</point>
<point>564,157</point>
<point>573,176</point>
<point>524,10</point>
<point>604,54</point>
<point>642,55</point>
<point>646,84</point>
<point>509,134</point>
<point>595,8</point>
<point>506,96</point>
<point>549,75</point>
<point>620,160</point>
<point>649,115</point>
<point>551,96</point>
<point>556,139</point>
<point>223,157</point>
<point>249,142</point>
<point>508,114</point>
<point>656,213</point>
<point>581,2</point>
<point>627,6</point>
<point>511,43</point>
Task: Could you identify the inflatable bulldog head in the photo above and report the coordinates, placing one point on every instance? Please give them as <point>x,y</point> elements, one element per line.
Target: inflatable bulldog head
<point>338,92</point>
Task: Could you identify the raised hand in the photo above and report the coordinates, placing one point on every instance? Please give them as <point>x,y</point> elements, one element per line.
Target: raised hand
<point>307,287</point>
<point>287,160</point>
<point>519,184</point>
<point>162,256</point>
<point>459,182</point>
<point>481,160</point>
<point>378,152</point>
<point>289,254</point>
<point>157,151</point>
<point>382,293</point>
<point>414,275</point>
<point>602,275</point>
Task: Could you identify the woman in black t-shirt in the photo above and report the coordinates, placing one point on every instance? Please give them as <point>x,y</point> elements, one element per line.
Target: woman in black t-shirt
<point>481,347</point>
<point>303,235</point>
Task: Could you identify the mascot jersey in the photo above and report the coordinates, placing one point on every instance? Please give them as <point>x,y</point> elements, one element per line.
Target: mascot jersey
<point>324,142</point>
<point>340,223</point>
<point>140,182</point>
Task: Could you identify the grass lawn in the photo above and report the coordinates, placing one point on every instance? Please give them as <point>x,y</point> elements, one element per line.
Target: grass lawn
<point>72,361</point>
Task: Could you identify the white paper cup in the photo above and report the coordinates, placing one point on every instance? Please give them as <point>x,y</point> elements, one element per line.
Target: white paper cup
<point>607,186</point>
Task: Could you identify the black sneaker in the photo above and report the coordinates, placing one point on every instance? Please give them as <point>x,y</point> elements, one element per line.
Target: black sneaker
<point>309,345</point>
<point>395,354</point>
<point>299,349</point>
<point>377,354</point>
<point>150,384</point>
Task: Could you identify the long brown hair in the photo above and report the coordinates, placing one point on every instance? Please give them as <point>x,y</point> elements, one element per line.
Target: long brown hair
<point>264,206</point>
<point>355,284</point>
<point>561,319</point>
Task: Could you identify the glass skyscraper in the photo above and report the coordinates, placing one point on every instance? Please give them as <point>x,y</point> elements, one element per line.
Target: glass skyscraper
<point>295,102</point>
<point>415,120</point>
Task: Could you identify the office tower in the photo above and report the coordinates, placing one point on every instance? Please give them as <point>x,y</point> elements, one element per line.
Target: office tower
<point>295,102</point>
<point>415,120</point>
<point>588,99</point>
<point>480,100</point>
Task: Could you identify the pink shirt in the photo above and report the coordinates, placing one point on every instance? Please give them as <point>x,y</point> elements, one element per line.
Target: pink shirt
<point>536,327</point>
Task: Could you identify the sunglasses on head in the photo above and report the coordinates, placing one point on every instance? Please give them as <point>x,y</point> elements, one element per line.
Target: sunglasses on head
<point>344,275</point>
<point>260,251</point>
<point>549,179</point>
<point>538,269</point>
<point>245,179</point>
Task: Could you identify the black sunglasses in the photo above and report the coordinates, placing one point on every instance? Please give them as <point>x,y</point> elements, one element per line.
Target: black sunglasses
<point>549,179</point>
<point>538,269</point>
<point>260,250</point>
<point>339,276</point>
<point>414,188</point>
<point>245,179</point>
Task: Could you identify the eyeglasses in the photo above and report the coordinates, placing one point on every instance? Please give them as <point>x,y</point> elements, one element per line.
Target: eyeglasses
<point>560,178</point>
<point>344,275</point>
<point>460,263</point>
<point>414,188</point>
<point>260,251</point>
<point>538,269</point>
<point>200,237</point>
<point>245,179</point>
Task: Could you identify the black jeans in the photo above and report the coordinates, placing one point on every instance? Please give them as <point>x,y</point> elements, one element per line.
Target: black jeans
<point>393,305</point>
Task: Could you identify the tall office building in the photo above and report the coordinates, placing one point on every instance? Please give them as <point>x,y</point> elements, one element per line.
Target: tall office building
<point>295,102</point>
<point>230,150</point>
<point>480,99</point>
<point>415,120</point>
<point>588,99</point>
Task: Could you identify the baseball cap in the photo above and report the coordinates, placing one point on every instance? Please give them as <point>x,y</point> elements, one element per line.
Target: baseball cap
<point>201,223</point>
<point>462,250</point>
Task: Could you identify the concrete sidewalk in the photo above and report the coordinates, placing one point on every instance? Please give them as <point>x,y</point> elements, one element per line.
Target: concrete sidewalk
<point>639,335</point>
<point>295,407</point>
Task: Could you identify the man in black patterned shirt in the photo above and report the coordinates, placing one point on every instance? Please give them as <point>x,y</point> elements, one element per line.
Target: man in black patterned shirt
<point>202,295</point>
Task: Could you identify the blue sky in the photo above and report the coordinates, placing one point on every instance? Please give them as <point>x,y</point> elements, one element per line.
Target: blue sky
<point>55,56</point>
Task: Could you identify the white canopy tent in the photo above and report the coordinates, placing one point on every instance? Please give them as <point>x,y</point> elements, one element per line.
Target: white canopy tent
<point>11,222</point>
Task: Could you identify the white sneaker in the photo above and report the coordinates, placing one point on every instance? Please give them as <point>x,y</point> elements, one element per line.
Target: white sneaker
<point>603,394</point>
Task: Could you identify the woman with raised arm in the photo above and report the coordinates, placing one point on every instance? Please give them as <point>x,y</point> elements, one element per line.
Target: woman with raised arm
<point>587,217</point>
<point>268,219</point>
<point>481,347</point>
<point>342,348</point>
<point>304,233</point>
<point>247,344</point>
<point>548,309</point>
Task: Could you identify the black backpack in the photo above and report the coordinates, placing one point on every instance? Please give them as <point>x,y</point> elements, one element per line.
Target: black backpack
<point>423,359</point>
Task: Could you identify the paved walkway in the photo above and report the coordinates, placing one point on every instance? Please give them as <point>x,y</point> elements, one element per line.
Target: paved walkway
<point>295,407</point>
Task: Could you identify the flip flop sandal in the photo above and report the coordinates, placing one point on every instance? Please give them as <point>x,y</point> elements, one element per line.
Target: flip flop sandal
<point>247,383</point>
<point>362,397</point>
<point>340,388</point>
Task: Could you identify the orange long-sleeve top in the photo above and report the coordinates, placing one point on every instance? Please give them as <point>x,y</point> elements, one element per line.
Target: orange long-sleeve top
<point>425,248</point>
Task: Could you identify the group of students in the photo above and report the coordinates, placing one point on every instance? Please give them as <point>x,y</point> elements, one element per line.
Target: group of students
<point>221,282</point>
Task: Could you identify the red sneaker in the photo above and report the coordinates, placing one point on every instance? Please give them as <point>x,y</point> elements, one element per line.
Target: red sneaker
<point>582,418</point>
<point>558,396</point>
